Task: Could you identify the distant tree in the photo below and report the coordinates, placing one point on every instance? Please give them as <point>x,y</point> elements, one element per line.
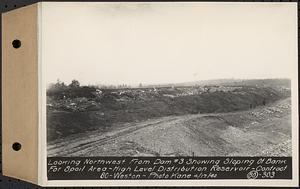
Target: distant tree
<point>140,85</point>
<point>57,85</point>
<point>74,84</point>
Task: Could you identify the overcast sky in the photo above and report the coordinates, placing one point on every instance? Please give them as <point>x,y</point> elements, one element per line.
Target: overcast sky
<point>132,43</point>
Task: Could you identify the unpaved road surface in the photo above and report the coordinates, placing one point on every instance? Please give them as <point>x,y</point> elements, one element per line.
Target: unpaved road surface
<point>264,131</point>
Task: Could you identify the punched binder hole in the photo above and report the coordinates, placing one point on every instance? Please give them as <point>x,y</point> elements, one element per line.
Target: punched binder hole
<point>16,43</point>
<point>16,146</point>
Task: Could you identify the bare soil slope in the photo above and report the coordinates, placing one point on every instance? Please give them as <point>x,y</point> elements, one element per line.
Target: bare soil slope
<point>83,109</point>
<point>265,130</point>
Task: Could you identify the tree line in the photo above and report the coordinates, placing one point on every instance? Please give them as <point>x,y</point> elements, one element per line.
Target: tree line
<point>59,85</point>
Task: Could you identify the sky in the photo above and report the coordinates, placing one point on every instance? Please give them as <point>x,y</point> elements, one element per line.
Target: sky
<point>157,43</point>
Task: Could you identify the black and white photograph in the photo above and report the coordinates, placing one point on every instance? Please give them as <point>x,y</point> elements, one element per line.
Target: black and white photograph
<point>168,79</point>
<point>150,94</point>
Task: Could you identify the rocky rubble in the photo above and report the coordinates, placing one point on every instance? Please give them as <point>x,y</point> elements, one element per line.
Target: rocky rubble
<point>278,109</point>
<point>86,99</point>
<point>76,104</point>
<point>282,149</point>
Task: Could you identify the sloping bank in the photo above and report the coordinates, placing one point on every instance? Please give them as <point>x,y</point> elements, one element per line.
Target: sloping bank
<point>110,113</point>
<point>263,131</point>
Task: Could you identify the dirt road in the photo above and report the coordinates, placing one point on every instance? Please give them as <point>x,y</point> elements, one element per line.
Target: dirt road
<point>265,130</point>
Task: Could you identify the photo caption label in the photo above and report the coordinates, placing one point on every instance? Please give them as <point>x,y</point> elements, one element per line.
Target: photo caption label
<point>168,168</point>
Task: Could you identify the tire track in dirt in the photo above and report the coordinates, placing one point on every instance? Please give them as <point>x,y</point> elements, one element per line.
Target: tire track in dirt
<point>87,145</point>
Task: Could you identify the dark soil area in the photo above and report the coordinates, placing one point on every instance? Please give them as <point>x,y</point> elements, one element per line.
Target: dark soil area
<point>81,109</point>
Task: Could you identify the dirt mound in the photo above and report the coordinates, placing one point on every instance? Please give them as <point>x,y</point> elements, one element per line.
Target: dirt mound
<point>220,134</point>
<point>79,110</point>
<point>265,130</point>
